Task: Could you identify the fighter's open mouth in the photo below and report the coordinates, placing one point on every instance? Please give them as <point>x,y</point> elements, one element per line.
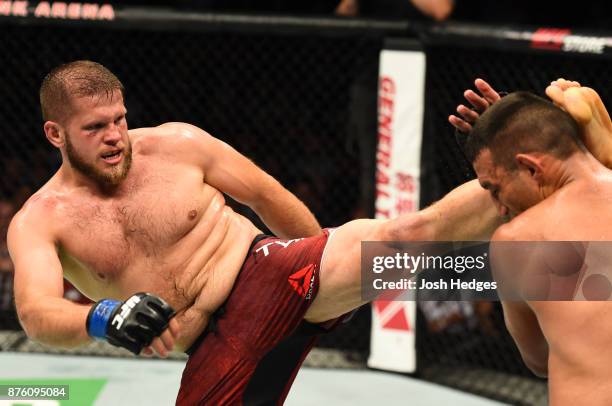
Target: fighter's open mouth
<point>112,157</point>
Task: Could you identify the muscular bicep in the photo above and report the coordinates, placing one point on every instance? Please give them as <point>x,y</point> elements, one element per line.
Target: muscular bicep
<point>236,175</point>
<point>230,172</point>
<point>38,271</point>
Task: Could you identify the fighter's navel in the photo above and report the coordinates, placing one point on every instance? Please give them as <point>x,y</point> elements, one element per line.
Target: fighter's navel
<point>192,214</point>
<point>101,275</point>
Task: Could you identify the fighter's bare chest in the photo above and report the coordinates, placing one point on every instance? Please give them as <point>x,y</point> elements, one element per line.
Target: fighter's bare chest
<point>109,234</point>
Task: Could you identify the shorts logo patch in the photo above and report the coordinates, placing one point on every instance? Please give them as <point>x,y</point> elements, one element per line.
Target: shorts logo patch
<point>303,281</point>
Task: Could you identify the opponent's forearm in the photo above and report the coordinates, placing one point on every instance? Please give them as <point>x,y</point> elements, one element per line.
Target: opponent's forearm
<point>286,216</point>
<point>54,321</point>
<point>465,213</point>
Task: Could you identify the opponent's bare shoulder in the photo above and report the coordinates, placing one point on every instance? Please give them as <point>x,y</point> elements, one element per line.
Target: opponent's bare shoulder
<point>173,138</point>
<point>524,227</point>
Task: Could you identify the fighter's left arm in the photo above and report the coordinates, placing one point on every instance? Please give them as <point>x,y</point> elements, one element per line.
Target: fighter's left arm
<point>232,173</point>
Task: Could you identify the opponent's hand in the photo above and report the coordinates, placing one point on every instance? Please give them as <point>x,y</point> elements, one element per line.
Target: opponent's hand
<point>480,102</point>
<point>141,321</point>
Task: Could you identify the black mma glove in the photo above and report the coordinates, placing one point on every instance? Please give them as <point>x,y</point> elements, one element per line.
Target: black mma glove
<point>132,324</point>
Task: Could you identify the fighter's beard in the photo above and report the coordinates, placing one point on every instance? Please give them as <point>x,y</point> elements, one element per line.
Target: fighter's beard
<point>104,179</point>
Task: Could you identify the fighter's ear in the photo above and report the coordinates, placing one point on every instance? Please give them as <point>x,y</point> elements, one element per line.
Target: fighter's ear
<point>531,163</point>
<point>54,133</point>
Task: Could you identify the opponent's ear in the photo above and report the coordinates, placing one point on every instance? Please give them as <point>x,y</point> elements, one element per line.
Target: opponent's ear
<point>54,134</point>
<point>530,163</point>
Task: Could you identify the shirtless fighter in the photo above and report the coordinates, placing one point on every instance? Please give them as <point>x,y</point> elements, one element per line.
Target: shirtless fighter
<point>531,156</point>
<point>143,211</point>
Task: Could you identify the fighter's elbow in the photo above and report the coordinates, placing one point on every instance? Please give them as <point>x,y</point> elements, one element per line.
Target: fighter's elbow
<point>31,320</point>
<point>539,369</point>
<point>28,319</point>
<point>533,349</point>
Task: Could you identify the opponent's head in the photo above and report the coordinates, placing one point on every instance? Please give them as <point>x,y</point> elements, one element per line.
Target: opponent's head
<point>82,105</point>
<point>517,147</point>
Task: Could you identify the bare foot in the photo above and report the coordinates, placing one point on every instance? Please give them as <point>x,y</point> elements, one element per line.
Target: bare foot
<point>586,107</point>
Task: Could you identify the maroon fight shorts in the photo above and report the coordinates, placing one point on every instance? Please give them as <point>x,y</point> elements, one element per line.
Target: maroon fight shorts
<point>277,283</point>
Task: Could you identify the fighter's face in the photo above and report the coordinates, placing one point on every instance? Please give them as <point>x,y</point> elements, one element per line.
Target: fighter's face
<point>96,139</point>
<point>513,191</point>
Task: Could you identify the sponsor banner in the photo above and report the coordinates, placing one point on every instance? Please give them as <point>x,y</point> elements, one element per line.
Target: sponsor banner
<point>400,130</point>
<point>398,170</point>
<point>555,39</point>
<point>545,39</point>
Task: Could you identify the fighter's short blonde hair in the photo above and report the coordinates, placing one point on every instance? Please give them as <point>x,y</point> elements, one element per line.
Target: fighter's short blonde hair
<point>72,80</point>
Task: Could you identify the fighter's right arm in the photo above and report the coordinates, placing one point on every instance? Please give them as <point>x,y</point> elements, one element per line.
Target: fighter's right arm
<point>44,314</point>
<point>521,321</point>
<point>525,329</point>
<point>141,321</point>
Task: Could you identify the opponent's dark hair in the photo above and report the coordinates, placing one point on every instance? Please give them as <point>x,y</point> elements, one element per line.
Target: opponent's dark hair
<point>522,122</point>
<point>71,80</point>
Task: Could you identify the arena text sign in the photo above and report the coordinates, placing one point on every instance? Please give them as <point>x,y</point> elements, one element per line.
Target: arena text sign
<point>57,9</point>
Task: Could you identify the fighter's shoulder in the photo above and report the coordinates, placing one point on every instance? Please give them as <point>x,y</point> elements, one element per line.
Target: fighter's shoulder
<point>37,214</point>
<point>168,137</point>
<point>524,227</point>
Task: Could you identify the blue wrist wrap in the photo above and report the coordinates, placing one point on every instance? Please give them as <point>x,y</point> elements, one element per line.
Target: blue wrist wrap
<point>98,322</point>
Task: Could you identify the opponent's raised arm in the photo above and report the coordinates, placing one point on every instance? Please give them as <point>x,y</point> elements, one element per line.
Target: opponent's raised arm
<point>232,173</point>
